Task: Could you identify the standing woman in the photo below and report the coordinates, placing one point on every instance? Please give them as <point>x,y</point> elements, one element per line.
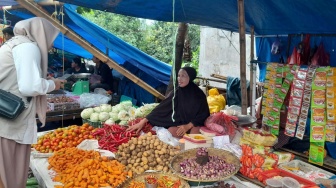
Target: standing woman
<point>105,73</point>
<point>182,112</point>
<point>24,63</point>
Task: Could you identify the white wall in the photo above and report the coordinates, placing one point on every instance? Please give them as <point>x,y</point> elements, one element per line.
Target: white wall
<point>219,54</point>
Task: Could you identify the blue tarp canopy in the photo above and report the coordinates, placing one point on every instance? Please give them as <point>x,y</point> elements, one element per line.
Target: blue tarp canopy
<point>152,71</point>
<point>267,17</point>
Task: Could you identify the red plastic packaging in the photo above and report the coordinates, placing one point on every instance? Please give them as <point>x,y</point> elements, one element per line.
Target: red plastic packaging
<point>279,172</point>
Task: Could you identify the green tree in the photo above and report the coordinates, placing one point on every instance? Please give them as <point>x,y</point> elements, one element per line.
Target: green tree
<point>155,38</point>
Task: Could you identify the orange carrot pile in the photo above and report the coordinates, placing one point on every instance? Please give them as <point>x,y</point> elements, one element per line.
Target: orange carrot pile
<point>80,168</point>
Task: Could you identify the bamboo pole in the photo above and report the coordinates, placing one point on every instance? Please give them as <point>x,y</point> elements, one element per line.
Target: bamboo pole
<point>39,11</point>
<point>252,77</point>
<point>242,42</point>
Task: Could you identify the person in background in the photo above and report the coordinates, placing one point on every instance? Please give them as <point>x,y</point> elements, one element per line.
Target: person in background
<point>182,112</point>
<point>76,67</point>
<point>105,73</point>
<point>24,64</point>
<point>7,33</point>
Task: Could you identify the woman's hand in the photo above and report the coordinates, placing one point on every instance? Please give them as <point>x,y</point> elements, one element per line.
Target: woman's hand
<point>137,127</point>
<point>58,83</point>
<point>183,129</point>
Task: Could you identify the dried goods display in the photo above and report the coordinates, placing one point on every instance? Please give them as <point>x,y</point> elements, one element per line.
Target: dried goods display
<point>146,152</point>
<point>80,168</point>
<point>222,165</point>
<point>61,102</point>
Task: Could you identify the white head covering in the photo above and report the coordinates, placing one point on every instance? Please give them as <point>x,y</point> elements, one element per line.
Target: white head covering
<point>43,33</point>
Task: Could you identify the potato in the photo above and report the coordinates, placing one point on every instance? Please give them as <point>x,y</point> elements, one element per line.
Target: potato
<point>139,142</point>
<point>134,153</point>
<point>149,134</point>
<point>124,162</point>
<point>158,160</point>
<point>136,164</point>
<point>145,153</point>
<point>159,168</point>
<point>146,167</point>
<point>137,160</point>
<point>139,154</point>
<point>132,147</point>
<point>141,170</point>
<point>156,143</point>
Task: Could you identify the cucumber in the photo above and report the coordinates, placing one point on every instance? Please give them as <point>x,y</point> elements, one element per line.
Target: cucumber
<point>32,181</point>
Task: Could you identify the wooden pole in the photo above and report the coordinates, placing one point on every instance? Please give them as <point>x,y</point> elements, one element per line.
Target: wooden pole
<point>39,11</point>
<point>242,42</point>
<point>180,38</point>
<point>252,77</point>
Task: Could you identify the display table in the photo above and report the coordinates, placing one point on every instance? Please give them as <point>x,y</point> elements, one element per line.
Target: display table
<point>63,115</point>
<point>329,163</point>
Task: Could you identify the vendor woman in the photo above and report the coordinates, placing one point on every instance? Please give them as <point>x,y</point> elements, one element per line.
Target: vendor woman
<point>181,112</point>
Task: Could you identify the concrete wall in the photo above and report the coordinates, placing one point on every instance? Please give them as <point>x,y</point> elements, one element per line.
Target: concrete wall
<point>219,54</point>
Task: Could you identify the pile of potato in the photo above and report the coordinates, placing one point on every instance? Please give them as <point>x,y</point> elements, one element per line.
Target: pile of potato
<point>146,152</point>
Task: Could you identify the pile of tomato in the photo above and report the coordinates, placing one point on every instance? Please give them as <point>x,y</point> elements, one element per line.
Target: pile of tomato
<point>65,137</point>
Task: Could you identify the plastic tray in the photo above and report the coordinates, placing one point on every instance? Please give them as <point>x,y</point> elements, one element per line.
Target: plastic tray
<point>304,167</point>
<point>279,172</point>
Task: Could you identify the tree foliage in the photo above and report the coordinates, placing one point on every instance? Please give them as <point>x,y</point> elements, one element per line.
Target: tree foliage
<point>155,38</point>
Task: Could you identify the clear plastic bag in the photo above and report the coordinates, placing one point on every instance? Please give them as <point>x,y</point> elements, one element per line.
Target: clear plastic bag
<point>91,99</point>
<point>165,136</point>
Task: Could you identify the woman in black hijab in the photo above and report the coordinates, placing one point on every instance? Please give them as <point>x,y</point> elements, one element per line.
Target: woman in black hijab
<point>190,108</point>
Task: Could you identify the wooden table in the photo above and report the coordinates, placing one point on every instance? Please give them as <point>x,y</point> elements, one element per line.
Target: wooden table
<point>329,163</point>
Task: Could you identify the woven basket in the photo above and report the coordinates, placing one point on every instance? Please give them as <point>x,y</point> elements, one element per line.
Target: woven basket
<point>141,178</point>
<point>191,153</point>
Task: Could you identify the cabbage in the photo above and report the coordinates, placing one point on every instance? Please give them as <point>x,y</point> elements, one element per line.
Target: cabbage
<point>109,122</point>
<point>123,115</point>
<point>105,108</point>
<point>103,116</point>
<point>94,117</point>
<point>114,116</point>
<point>123,123</point>
<point>86,113</point>
<point>131,112</point>
<point>97,109</point>
<point>126,103</point>
<point>117,108</point>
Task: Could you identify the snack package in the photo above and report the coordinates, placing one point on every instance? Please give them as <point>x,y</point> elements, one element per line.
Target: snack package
<point>330,131</point>
<point>316,153</point>
<point>259,137</point>
<point>282,157</point>
<point>250,149</point>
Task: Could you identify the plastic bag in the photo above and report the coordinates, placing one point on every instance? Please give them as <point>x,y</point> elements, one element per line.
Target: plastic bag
<point>216,101</point>
<point>321,57</point>
<point>165,136</point>
<point>91,99</point>
<point>221,123</point>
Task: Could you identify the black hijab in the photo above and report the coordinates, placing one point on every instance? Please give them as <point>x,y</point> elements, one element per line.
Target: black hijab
<point>190,105</point>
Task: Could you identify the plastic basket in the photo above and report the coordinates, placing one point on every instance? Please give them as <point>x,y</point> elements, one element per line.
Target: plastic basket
<point>303,167</point>
<point>279,172</point>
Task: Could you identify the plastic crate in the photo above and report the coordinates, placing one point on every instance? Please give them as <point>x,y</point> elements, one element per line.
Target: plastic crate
<point>115,99</point>
<point>279,172</point>
<point>93,124</point>
<point>305,168</point>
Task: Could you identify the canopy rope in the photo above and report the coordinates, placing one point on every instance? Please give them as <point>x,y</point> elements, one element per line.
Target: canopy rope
<point>174,64</point>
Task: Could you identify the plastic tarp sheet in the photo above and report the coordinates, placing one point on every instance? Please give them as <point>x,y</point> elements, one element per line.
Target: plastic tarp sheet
<point>267,17</point>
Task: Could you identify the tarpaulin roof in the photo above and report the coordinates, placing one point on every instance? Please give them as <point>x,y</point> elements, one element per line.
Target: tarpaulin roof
<point>267,17</point>
<point>119,50</point>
